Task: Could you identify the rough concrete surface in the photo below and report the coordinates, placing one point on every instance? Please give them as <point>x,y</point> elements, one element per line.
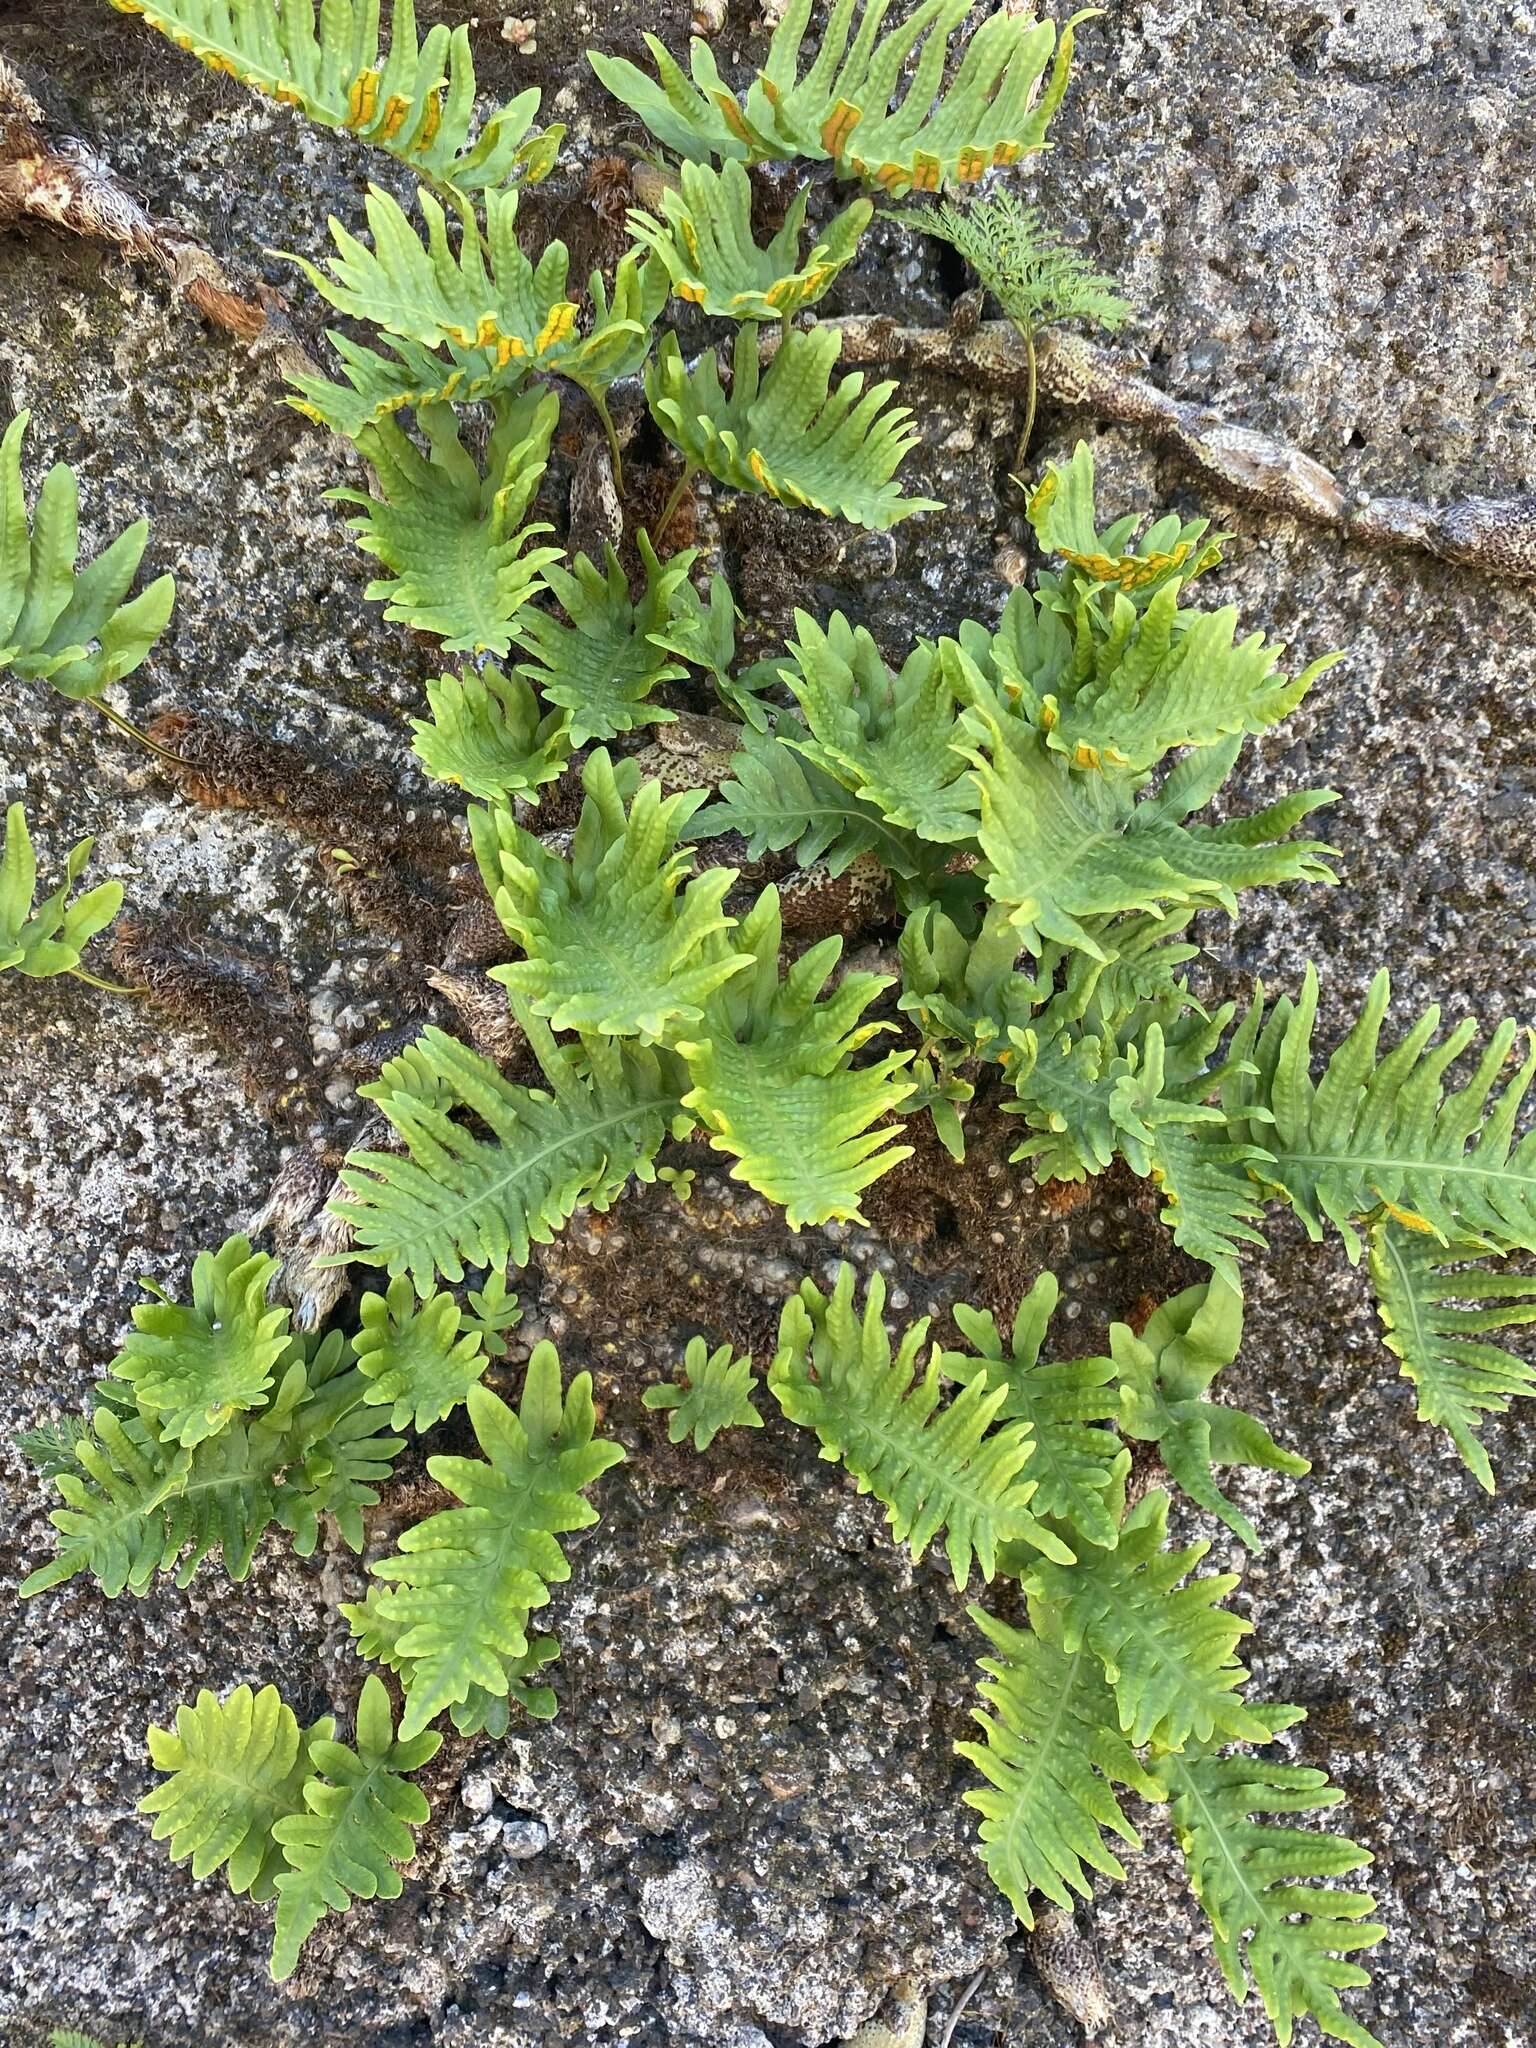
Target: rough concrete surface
<point>745,1823</point>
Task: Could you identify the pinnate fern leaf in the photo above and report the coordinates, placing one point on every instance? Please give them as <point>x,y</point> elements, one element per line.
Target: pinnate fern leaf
<point>113,1522</point>
<point>1035,277</point>
<point>1061,510</point>
<point>715,1393</point>
<point>489,735</point>
<point>938,1469</point>
<point>47,938</point>
<point>777,799</point>
<point>414,1356</point>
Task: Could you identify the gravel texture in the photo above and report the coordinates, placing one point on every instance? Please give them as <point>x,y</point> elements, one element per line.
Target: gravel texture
<point>745,1825</point>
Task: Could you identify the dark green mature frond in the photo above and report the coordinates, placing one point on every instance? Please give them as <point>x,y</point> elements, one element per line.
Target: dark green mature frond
<point>417,102</point>
<point>893,740</point>
<point>1052,1753</point>
<point>1293,1939</point>
<point>1163,1377</point>
<point>456,1198</point>
<point>1436,1308</point>
<point>47,938</point>
<point>602,667</point>
<point>614,940</point>
<point>1061,510</point>
<point>1076,1469</point>
<point>773,1079</point>
<point>953,1470</point>
<point>1167,1649</point>
<point>78,631</point>
<point>356,1826</point>
<point>704,238</point>
<point>789,435</point>
<point>192,1368</point>
<point>489,735</point>
<point>1036,278</point>
<point>453,540</point>
<point>454,1603</point>
<point>416,1357</point>
<point>1387,1132</point>
<point>714,1393</point>
<point>777,799</point>
<point>235,1767</point>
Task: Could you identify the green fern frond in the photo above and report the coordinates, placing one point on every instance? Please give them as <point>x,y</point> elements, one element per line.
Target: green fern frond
<point>68,2037</point>
<point>417,102</point>
<point>50,937</point>
<point>235,1768</point>
<point>453,540</point>
<point>1035,277</point>
<point>1436,1307</point>
<point>454,1603</point>
<point>78,631</point>
<point>489,735</point>
<point>1061,510</point>
<point>948,1469</point>
<point>51,1447</point>
<point>705,636</point>
<point>776,799</point>
<point>1076,1469</point>
<point>415,1357</point>
<point>456,1198</point>
<point>773,1079</point>
<point>1167,1649</point>
<point>355,1827</point>
<point>602,667</point>
<point>1292,1939</point>
<point>964,986</point>
<point>715,1393</point>
<point>1051,1753</point>
<point>410,375</point>
<point>789,435</point>
<point>337,1451</point>
<point>614,940</point>
<point>113,1523</point>
<point>1387,1132</point>
<point>704,238</point>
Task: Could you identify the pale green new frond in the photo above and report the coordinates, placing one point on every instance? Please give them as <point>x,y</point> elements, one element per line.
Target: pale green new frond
<point>457,1596</point>
<point>602,667</point>
<point>777,799</point>
<point>704,238</point>
<point>489,735</point>
<point>773,1079</point>
<point>78,631</point>
<point>415,1357</point>
<point>1293,1939</point>
<point>965,987</point>
<point>192,1368</point>
<point>1387,1131</point>
<point>789,435</point>
<point>949,1469</point>
<point>457,1198</point>
<point>235,1768</point>
<point>1075,1467</point>
<point>1167,1649</point>
<point>714,1393</point>
<point>1052,1753</point>
<point>355,1828</point>
<point>615,941</point>
<point>1061,510</point>
<point>453,540</point>
<point>1036,278</point>
<point>50,937</point>
<point>1436,1309</point>
<point>417,102</point>
<point>892,739</point>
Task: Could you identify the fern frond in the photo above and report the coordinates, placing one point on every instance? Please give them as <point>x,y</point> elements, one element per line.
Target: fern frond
<point>1387,1131</point>
<point>789,435</point>
<point>50,937</point>
<point>489,736</point>
<point>453,540</point>
<point>78,631</point>
<point>715,1393</point>
<point>705,636</point>
<point>112,1524</point>
<point>776,800</point>
<point>773,1079</point>
<point>1035,277</point>
<point>602,667</point>
<point>235,1768</point>
<point>356,1827</point>
<point>411,375</point>
<point>417,102</point>
<point>50,1447</point>
<point>337,1450</point>
<point>965,987</point>
<point>1292,1939</point>
<point>615,941</point>
<point>1076,1469</point>
<point>1167,1649</point>
<point>456,1598</point>
<point>415,1357</point>
<point>1436,1307</point>
<point>456,1198</point>
<point>704,239</point>
<point>936,1469</point>
<point>1061,510</point>
<point>1052,1753</point>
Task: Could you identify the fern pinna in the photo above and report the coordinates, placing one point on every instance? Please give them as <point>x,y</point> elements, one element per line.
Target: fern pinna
<point>1024,806</point>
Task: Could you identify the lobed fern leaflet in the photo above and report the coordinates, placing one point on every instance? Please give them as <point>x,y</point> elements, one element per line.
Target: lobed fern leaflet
<point>714,1393</point>
<point>48,937</point>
